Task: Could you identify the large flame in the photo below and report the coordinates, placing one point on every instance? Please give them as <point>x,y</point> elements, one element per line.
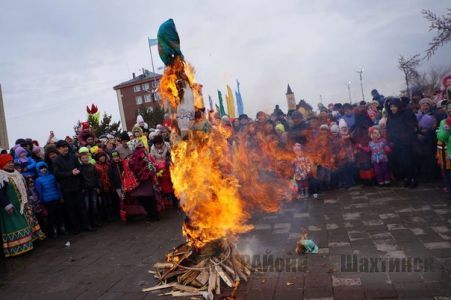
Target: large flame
<point>220,181</point>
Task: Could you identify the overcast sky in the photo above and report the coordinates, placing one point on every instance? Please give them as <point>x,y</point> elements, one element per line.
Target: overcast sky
<point>56,57</point>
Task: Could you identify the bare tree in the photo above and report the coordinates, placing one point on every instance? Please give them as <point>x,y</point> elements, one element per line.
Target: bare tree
<point>430,81</point>
<point>441,24</point>
<point>408,66</point>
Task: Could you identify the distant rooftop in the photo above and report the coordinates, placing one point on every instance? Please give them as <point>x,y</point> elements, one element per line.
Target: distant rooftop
<point>141,77</point>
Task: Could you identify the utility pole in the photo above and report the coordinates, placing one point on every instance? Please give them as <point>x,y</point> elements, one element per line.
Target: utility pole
<point>3,129</point>
<point>361,82</point>
<point>349,91</point>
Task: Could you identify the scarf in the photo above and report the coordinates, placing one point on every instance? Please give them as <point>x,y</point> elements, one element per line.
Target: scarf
<point>17,179</point>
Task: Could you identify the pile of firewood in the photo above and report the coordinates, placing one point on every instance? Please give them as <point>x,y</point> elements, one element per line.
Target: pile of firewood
<point>199,272</point>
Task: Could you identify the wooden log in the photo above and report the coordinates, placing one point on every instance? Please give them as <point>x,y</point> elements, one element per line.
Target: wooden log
<point>211,280</point>
<point>224,276</point>
<point>202,278</point>
<point>218,285</point>
<point>161,265</point>
<point>159,287</point>
<point>185,288</point>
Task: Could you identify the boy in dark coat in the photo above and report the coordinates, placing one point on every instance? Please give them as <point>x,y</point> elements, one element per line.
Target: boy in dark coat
<point>90,184</point>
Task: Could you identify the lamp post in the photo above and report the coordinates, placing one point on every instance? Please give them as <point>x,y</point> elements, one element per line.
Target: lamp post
<point>349,91</point>
<point>361,82</point>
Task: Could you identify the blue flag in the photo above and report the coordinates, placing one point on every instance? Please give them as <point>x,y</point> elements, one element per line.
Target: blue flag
<point>153,42</point>
<point>239,100</point>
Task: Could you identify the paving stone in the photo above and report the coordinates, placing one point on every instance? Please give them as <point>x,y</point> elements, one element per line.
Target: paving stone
<point>417,231</point>
<point>314,228</point>
<point>440,229</point>
<point>301,215</point>
<point>349,293</point>
<point>330,201</point>
<point>395,227</point>
<point>331,226</point>
<point>345,281</point>
<point>339,244</point>
<point>381,236</point>
<point>388,216</point>
<point>351,216</point>
<point>438,245</point>
<point>355,235</point>
<point>262,227</point>
<point>373,222</point>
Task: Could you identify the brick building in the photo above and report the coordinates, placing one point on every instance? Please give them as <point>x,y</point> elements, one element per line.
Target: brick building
<point>139,91</point>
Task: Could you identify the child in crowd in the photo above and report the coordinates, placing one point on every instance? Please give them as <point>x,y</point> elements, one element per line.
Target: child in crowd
<point>160,151</point>
<point>103,169</point>
<point>138,134</point>
<point>49,196</point>
<point>86,150</point>
<point>27,164</point>
<point>345,157</point>
<point>379,149</point>
<point>302,171</point>
<point>325,159</point>
<point>117,171</point>
<point>90,185</point>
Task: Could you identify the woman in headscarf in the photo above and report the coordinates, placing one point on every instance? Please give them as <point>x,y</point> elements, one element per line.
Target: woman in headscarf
<point>18,224</point>
<point>361,138</point>
<point>143,169</point>
<point>402,128</point>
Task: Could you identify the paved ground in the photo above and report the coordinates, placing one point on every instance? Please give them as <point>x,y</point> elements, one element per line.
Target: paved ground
<point>370,223</point>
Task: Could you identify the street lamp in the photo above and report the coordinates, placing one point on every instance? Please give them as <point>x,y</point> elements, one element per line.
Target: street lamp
<point>349,91</point>
<point>361,82</point>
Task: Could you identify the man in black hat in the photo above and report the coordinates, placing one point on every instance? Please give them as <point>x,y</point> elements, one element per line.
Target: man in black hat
<point>67,171</point>
<point>123,149</point>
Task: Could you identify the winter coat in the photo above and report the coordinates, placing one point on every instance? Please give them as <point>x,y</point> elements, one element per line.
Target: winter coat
<point>46,186</point>
<point>117,171</point>
<point>104,173</point>
<point>28,163</point>
<point>89,177</point>
<point>444,146</point>
<point>62,167</point>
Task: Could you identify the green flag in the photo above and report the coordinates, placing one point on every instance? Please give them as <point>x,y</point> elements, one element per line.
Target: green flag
<point>221,105</point>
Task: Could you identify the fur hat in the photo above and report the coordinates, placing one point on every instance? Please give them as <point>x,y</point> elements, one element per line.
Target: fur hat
<point>334,128</point>
<point>426,101</point>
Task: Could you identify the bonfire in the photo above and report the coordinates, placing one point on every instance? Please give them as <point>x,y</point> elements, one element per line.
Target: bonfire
<point>218,186</point>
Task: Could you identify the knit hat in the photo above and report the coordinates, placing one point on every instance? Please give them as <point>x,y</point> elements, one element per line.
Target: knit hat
<point>61,143</point>
<point>36,149</point>
<point>426,122</point>
<point>4,159</point>
<point>280,127</point>
<point>324,127</point>
<point>19,150</point>
<point>426,101</point>
<point>373,129</point>
<point>139,119</point>
<point>83,150</point>
<point>342,123</point>
<point>334,128</point>
<point>124,136</point>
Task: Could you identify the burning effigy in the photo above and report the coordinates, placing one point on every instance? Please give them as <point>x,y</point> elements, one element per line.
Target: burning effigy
<point>219,184</point>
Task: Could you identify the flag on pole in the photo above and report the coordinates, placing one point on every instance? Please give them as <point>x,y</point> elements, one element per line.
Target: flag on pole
<point>239,100</point>
<point>210,102</point>
<point>152,42</point>
<point>230,102</point>
<point>221,104</point>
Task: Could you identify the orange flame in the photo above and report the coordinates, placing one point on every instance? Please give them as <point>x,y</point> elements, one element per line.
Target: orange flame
<point>221,180</point>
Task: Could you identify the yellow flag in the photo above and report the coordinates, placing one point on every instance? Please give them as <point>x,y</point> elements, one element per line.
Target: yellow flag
<point>230,102</point>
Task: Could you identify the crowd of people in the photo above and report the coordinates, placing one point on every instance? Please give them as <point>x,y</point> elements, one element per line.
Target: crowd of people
<point>77,184</point>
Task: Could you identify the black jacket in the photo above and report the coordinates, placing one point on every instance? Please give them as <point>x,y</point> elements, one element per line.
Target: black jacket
<point>62,168</point>
<point>117,170</point>
<point>89,177</point>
